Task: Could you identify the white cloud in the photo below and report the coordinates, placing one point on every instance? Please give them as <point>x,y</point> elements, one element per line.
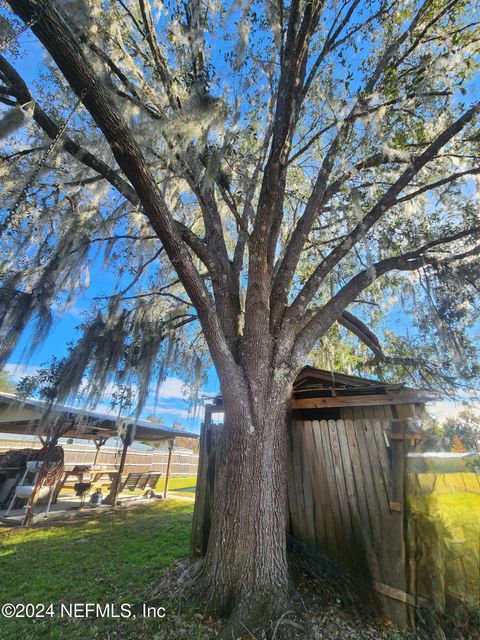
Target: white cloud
<point>449,409</point>
<point>172,388</point>
<point>16,371</point>
<point>174,411</point>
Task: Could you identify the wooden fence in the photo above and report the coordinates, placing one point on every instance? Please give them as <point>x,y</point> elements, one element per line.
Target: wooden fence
<point>444,533</point>
<point>184,462</point>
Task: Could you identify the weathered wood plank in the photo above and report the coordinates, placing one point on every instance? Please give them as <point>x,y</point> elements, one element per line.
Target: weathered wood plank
<point>398,462</point>
<point>316,487</point>
<point>392,399</point>
<point>390,548</point>
<point>373,506</point>
<point>380,427</point>
<point>307,470</point>
<point>340,484</point>
<point>332,490</point>
<point>379,412</point>
<point>358,413</point>
<point>368,535</point>
<point>322,503</point>
<point>368,412</point>
<point>375,453</point>
<point>359,543</point>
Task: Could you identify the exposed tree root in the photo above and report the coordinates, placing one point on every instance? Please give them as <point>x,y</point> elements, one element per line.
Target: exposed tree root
<point>259,616</point>
<point>318,608</point>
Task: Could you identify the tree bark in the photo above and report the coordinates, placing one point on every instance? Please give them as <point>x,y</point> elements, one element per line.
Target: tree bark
<point>245,574</point>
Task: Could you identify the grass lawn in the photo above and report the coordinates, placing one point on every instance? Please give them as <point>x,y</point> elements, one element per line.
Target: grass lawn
<point>113,558</point>
<point>447,508</point>
<point>184,486</point>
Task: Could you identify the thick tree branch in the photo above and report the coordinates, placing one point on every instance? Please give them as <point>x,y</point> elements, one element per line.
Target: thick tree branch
<point>409,261</point>
<point>362,331</point>
<point>269,213</point>
<point>22,94</point>
<point>20,91</point>
<point>293,250</point>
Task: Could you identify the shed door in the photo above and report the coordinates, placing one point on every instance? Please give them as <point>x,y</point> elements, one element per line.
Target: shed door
<point>340,500</point>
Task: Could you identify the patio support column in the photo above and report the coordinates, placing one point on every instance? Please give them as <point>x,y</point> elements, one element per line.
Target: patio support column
<point>115,488</point>
<point>49,444</point>
<point>98,445</point>
<point>171,444</point>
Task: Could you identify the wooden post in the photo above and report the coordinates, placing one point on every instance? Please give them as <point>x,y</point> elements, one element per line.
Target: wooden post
<point>200,492</point>
<point>49,444</point>
<point>98,445</point>
<point>171,444</point>
<point>397,438</point>
<point>115,488</point>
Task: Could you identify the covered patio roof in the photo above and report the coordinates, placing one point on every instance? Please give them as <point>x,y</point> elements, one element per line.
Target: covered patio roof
<point>28,417</point>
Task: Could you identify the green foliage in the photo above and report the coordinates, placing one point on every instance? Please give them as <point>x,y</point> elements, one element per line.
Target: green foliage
<point>339,351</point>
<point>184,486</point>
<point>465,427</point>
<point>444,508</point>
<point>6,384</point>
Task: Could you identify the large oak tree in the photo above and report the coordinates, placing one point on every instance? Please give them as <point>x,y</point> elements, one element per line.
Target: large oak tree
<point>269,171</point>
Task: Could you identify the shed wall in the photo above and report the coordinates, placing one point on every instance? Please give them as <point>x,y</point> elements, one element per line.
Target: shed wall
<point>345,493</point>
<point>344,501</point>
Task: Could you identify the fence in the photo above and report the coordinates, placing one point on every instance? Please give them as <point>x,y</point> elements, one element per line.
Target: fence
<point>443,495</point>
<point>184,462</point>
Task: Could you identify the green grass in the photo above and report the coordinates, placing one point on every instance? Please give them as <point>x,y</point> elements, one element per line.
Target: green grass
<point>111,558</point>
<point>184,486</point>
<point>446,508</point>
<point>458,514</point>
<point>449,482</point>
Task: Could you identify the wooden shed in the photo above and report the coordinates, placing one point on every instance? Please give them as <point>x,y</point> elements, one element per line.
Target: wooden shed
<point>349,439</point>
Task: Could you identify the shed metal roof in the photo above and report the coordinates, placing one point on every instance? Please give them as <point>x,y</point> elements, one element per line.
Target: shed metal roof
<point>321,388</point>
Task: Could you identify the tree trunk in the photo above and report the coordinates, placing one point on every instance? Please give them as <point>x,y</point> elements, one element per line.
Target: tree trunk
<point>245,574</point>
